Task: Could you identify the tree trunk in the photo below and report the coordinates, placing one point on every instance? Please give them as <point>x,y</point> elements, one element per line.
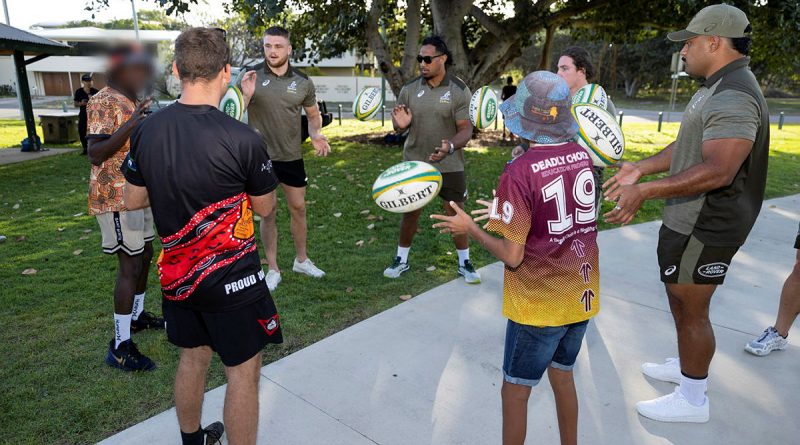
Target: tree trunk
<point>547,48</point>
<point>631,87</point>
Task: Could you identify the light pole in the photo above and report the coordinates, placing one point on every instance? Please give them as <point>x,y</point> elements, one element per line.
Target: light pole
<point>135,19</point>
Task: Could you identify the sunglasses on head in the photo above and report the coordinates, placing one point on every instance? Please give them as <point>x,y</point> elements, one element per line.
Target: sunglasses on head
<point>427,59</point>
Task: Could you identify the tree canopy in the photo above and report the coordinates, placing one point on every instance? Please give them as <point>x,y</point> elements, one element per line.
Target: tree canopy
<point>487,36</point>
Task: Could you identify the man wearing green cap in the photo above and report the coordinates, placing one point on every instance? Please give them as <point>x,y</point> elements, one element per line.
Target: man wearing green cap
<point>717,175</point>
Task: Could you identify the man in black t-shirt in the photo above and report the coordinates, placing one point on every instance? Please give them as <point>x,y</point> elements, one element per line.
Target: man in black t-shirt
<point>204,174</point>
<point>81,98</point>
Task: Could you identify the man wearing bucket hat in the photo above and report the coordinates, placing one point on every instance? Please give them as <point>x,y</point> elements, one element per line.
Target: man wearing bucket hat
<point>544,208</point>
<point>717,175</point>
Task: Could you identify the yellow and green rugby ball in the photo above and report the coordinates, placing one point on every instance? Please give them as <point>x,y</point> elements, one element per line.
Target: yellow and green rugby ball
<point>406,186</point>
<point>367,104</point>
<point>483,107</point>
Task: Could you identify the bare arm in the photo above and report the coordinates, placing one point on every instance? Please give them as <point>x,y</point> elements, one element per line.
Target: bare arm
<point>314,121</point>
<point>135,197</point>
<point>722,159</point>
<point>659,162</point>
<point>459,141</point>
<point>263,204</point>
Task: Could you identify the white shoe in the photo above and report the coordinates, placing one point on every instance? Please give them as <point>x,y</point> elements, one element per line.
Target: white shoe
<point>471,276</point>
<point>768,341</point>
<point>396,268</point>
<point>308,268</point>
<point>674,408</point>
<point>669,371</point>
<point>273,279</point>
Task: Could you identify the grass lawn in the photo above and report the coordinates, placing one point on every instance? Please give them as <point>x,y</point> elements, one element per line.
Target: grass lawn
<point>56,324</point>
<point>12,132</point>
<point>789,106</point>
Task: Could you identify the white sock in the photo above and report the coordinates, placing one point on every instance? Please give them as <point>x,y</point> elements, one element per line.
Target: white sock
<point>463,255</point>
<point>122,328</point>
<point>138,306</point>
<point>402,252</point>
<point>694,390</point>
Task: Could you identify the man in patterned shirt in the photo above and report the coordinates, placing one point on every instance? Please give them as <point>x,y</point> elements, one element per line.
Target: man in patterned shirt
<point>113,114</point>
<point>545,210</point>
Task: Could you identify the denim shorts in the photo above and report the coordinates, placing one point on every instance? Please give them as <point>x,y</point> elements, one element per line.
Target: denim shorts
<point>531,349</point>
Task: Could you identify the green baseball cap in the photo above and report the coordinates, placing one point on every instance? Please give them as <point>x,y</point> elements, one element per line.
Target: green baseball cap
<point>715,20</point>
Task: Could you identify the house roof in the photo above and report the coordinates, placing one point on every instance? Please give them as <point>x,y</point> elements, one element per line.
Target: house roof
<point>12,39</point>
<point>93,34</point>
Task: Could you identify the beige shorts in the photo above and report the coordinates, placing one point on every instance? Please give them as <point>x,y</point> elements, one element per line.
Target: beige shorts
<point>126,231</point>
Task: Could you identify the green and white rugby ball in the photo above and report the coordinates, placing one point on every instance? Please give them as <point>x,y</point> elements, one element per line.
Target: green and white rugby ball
<point>406,186</point>
<point>483,107</point>
<point>591,93</point>
<point>232,103</point>
<point>367,104</point>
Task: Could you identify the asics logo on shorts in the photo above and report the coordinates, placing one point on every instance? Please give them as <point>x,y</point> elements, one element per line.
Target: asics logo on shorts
<point>670,270</point>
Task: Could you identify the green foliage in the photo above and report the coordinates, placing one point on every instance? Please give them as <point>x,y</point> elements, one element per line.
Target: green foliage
<point>148,20</point>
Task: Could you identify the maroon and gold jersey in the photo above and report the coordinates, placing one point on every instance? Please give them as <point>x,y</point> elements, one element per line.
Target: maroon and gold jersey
<point>546,201</point>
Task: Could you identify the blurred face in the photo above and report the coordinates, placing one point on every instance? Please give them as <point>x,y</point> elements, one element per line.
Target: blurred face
<point>135,78</point>
<point>697,54</point>
<point>276,51</point>
<point>87,84</point>
<point>436,65</point>
<point>566,70</point>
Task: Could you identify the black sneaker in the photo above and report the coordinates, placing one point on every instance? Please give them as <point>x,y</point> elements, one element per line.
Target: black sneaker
<point>214,433</point>
<point>127,357</point>
<point>469,273</point>
<point>147,320</point>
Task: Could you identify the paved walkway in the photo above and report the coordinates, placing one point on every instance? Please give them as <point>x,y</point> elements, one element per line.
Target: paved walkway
<point>428,370</point>
<point>14,155</point>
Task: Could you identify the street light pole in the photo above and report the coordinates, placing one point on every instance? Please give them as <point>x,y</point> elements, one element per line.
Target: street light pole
<point>135,19</point>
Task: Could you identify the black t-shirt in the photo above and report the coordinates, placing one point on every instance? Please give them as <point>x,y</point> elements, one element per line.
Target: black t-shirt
<point>199,165</point>
<point>81,95</point>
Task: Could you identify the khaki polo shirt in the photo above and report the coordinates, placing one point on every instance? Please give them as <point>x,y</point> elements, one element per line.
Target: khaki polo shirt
<point>434,112</point>
<point>275,109</point>
<point>729,105</point>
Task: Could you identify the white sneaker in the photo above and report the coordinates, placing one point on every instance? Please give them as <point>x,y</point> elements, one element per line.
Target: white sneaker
<point>471,276</point>
<point>273,279</point>
<point>768,341</point>
<point>396,269</point>
<point>669,371</point>
<point>308,268</point>
<point>674,408</point>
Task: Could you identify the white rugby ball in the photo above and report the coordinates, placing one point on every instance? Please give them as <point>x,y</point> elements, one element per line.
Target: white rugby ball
<point>407,186</point>
<point>232,103</point>
<point>599,134</point>
<point>367,104</point>
<point>591,93</point>
<point>483,107</point>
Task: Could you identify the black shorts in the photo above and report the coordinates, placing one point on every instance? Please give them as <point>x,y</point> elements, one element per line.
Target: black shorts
<point>454,187</point>
<point>683,259</point>
<point>291,173</point>
<point>235,335</point>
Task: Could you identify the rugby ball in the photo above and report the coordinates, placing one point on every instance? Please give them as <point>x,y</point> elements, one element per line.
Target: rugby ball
<point>232,103</point>
<point>406,187</point>
<point>599,133</point>
<point>367,104</point>
<point>591,93</point>
<point>483,107</point>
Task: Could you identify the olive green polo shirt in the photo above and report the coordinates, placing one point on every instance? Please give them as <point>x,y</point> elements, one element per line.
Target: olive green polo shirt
<point>434,112</point>
<point>275,109</point>
<point>729,105</point>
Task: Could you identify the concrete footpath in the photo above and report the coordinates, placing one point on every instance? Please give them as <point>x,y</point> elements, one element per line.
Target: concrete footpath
<point>428,371</point>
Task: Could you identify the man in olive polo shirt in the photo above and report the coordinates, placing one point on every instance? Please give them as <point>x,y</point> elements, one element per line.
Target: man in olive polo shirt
<point>274,98</point>
<point>434,108</point>
<point>717,175</point>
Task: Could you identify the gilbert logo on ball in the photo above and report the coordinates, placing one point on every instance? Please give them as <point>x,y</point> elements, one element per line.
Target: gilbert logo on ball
<point>599,134</point>
<point>483,107</point>
<point>591,93</point>
<point>232,103</point>
<point>367,103</point>
<point>406,187</point>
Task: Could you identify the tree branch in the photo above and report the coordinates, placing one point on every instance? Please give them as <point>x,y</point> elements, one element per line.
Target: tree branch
<point>487,21</point>
<point>413,30</point>
<point>567,13</point>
